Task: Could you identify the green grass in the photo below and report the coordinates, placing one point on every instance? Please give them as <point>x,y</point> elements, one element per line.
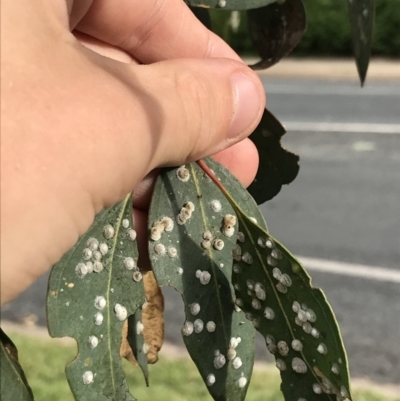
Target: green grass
<point>44,361</point>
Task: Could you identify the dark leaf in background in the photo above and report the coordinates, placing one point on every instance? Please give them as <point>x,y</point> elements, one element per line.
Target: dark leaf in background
<point>229,4</point>
<point>362,13</point>
<point>202,15</point>
<point>277,165</point>
<point>276,30</point>
<point>14,385</point>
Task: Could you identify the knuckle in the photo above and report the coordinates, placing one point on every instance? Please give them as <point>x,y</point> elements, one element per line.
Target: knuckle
<point>195,87</point>
<point>199,98</point>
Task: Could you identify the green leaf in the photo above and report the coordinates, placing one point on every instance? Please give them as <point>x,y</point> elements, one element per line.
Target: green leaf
<point>295,319</point>
<point>277,165</point>
<point>276,30</point>
<point>91,291</point>
<point>362,13</point>
<point>229,4</point>
<point>14,385</point>
<point>237,190</point>
<point>137,343</point>
<point>193,254</point>
<point>315,330</point>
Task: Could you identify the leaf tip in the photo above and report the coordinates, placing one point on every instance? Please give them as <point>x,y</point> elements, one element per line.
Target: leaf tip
<point>362,72</point>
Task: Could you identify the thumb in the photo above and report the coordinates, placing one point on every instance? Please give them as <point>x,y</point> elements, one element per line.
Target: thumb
<point>202,107</point>
<point>98,128</point>
<point>197,107</point>
<point>167,113</point>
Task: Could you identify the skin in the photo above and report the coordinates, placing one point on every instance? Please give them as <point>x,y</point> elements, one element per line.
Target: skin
<point>96,96</point>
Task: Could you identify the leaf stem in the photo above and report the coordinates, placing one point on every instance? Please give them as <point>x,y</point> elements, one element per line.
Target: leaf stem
<point>202,164</point>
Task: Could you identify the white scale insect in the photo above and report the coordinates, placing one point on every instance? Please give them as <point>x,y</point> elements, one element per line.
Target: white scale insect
<point>121,312</point>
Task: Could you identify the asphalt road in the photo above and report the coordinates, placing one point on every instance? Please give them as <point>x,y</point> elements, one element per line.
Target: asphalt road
<point>344,206</point>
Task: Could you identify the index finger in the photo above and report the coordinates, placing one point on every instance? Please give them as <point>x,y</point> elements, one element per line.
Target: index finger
<point>153,30</point>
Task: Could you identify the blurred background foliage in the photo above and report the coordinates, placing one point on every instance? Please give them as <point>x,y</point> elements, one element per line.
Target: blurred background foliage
<point>328,31</point>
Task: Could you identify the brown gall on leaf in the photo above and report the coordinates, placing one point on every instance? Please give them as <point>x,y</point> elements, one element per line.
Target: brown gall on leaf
<point>152,320</point>
<point>277,165</point>
<point>276,30</point>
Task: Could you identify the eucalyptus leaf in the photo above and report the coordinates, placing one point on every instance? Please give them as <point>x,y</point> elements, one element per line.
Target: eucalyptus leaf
<point>137,343</point>
<point>237,190</point>
<point>229,4</point>
<point>276,30</point>
<point>295,319</point>
<point>277,165</point>
<point>91,292</point>
<point>14,385</point>
<point>362,13</point>
<point>191,251</point>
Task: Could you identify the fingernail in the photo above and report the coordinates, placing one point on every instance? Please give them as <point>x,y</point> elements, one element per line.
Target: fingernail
<point>246,104</point>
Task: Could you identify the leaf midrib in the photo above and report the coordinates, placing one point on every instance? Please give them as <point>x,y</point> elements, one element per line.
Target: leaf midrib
<point>210,251</point>
<point>111,267</point>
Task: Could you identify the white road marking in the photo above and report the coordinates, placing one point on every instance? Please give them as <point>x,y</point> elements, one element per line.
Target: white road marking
<point>364,128</point>
<point>349,269</point>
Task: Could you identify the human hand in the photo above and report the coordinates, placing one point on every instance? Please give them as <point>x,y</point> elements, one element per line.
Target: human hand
<point>81,130</point>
